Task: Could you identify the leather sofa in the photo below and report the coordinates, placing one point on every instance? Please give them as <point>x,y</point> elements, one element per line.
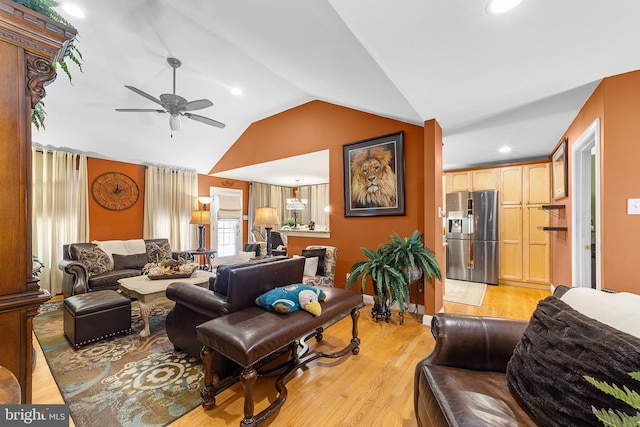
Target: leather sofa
<point>77,279</point>
<point>234,288</point>
<point>498,372</point>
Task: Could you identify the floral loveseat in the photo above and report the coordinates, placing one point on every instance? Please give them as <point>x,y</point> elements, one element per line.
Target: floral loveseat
<point>99,265</point>
<point>325,271</point>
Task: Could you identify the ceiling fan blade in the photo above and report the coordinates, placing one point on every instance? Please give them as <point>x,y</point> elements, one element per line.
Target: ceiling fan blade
<point>146,95</point>
<point>198,104</point>
<point>129,110</point>
<point>205,120</point>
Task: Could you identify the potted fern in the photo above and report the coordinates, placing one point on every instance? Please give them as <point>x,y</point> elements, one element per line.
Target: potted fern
<point>392,267</point>
<point>47,8</point>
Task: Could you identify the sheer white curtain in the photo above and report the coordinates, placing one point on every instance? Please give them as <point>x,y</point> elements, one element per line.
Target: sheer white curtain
<point>169,197</point>
<point>317,200</point>
<point>60,209</point>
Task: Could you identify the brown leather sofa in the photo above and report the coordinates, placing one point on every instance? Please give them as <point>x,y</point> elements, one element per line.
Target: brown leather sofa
<point>234,288</point>
<point>76,277</point>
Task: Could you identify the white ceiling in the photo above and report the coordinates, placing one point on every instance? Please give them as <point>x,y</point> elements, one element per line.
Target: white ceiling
<point>516,79</point>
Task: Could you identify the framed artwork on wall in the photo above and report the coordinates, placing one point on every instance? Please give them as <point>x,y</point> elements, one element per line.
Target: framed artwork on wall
<point>559,171</point>
<point>374,182</point>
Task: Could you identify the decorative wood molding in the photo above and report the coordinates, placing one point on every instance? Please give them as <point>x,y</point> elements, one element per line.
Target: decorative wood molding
<point>40,72</point>
<point>34,32</point>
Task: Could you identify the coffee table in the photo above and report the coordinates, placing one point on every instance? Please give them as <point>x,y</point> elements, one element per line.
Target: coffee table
<point>146,291</point>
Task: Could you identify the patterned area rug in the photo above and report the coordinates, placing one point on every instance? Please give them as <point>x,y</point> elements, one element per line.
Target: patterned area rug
<point>470,293</point>
<point>125,380</point>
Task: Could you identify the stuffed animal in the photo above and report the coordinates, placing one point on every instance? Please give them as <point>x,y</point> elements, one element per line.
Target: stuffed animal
<point>287,299</point>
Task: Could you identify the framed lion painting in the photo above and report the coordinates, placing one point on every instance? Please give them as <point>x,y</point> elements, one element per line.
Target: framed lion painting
<point>374,176</point>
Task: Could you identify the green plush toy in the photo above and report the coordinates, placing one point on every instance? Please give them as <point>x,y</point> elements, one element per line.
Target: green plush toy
<point>287,299</point>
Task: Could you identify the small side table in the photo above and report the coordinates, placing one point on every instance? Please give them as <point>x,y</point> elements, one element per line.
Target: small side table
<point>208,256</point>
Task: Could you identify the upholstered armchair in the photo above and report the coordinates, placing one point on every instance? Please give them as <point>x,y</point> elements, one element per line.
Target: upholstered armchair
<point>326,275</point>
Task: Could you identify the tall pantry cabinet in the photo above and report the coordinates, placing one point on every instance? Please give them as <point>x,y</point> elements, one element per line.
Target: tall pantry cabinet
<point>525,249</point>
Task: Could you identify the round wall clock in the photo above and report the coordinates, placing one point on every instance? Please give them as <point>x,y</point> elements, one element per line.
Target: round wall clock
<point>115,191</point>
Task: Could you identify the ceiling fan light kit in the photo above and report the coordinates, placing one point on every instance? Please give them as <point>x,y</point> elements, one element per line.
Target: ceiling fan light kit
<point>174,104</point>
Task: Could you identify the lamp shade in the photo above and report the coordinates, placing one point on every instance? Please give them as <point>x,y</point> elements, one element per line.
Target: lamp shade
<point>266,217</point>
<point>205,200</point>
<point>200,217</point>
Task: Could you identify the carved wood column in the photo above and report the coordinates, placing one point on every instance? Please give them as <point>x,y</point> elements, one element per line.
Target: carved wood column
<point>29,44</point>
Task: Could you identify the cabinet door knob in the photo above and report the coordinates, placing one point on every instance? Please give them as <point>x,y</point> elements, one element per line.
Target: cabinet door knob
<point>588,247</point>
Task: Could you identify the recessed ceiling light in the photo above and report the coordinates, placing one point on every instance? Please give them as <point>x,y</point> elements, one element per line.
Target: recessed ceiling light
<point>496,7</point>
<point>236,91</point>
<point>72,10</point>
<point>504,149</point>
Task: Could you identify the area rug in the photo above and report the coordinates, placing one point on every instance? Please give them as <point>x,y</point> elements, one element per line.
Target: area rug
<point>121,381</point>
<point>470,293</point>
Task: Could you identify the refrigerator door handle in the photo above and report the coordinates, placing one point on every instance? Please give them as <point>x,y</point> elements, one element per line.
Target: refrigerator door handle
<point>470,254</point>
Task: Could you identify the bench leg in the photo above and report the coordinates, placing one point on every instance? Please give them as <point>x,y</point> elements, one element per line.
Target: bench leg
<point>355,315</point>
<point>208,392</point>
<point>248,379</point>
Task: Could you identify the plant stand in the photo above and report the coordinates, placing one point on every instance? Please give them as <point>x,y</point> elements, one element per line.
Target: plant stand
<point>380,311</point>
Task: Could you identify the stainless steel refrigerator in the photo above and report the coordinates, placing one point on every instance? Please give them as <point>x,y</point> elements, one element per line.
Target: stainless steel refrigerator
<point>472,236</point>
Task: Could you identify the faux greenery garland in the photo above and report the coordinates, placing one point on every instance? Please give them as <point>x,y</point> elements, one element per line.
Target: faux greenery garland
<point>47,8</point>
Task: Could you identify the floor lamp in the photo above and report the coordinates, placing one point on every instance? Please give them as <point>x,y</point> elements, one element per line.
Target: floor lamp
<point>201,219</point>
<point>268,218</point>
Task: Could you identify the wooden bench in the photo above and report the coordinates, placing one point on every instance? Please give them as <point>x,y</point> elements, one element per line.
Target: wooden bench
<point>252,335</point>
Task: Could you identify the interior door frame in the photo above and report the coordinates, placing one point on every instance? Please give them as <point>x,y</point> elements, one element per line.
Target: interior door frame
<point>581,151</point>
<point>221,191</point>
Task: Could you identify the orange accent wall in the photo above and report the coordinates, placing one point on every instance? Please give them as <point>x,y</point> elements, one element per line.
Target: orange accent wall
<point>616,102</point>
<point>106,224</point>
<point>318,125</point>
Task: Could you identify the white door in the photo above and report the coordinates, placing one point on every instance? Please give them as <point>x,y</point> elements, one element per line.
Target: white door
<point>583,152</point>
<point>226,211</point>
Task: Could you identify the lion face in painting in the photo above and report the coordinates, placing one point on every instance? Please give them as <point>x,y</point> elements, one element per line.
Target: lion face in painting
<point>373,182</point>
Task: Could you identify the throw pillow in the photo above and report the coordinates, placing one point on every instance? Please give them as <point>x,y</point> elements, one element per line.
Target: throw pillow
<point>290,298</point>
<point>310,266</point>
<point>157,253</point>
<point>557,350</point>
<point>96,261</point>
<point>126,262</point>
<point>111,247</point>
<point>320,253</point>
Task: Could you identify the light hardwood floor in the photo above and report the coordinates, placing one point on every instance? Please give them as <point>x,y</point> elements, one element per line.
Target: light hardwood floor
<point>374,388</point>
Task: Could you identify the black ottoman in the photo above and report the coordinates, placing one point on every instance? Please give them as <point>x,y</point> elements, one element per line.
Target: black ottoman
<point>96,315</point>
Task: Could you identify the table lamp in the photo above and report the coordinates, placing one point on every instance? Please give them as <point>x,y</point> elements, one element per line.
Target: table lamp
<point>200,218</point>
<point>268,218</point>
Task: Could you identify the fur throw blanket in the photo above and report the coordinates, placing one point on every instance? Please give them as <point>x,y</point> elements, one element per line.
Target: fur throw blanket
<point>561,346</point>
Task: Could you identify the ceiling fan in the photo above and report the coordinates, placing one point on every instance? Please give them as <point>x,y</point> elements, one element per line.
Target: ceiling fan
<point>174,104</point>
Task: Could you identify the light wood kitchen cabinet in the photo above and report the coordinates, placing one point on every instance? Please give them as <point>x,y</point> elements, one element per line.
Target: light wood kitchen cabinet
<point>525,249</point>
<point>458,181</point>
<point>484,179</point>
<point>511,185</point>
<point>472,180</point>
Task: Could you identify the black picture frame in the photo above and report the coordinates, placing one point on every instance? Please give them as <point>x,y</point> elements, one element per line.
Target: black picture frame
<point>559,178</point>
<point>382,191</point>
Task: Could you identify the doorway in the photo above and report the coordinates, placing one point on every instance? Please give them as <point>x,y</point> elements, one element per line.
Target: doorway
<point>585,209</point>
<point>226,225</point>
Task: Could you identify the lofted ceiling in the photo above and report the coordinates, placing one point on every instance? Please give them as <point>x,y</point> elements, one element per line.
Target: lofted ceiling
<point>515,80</point>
